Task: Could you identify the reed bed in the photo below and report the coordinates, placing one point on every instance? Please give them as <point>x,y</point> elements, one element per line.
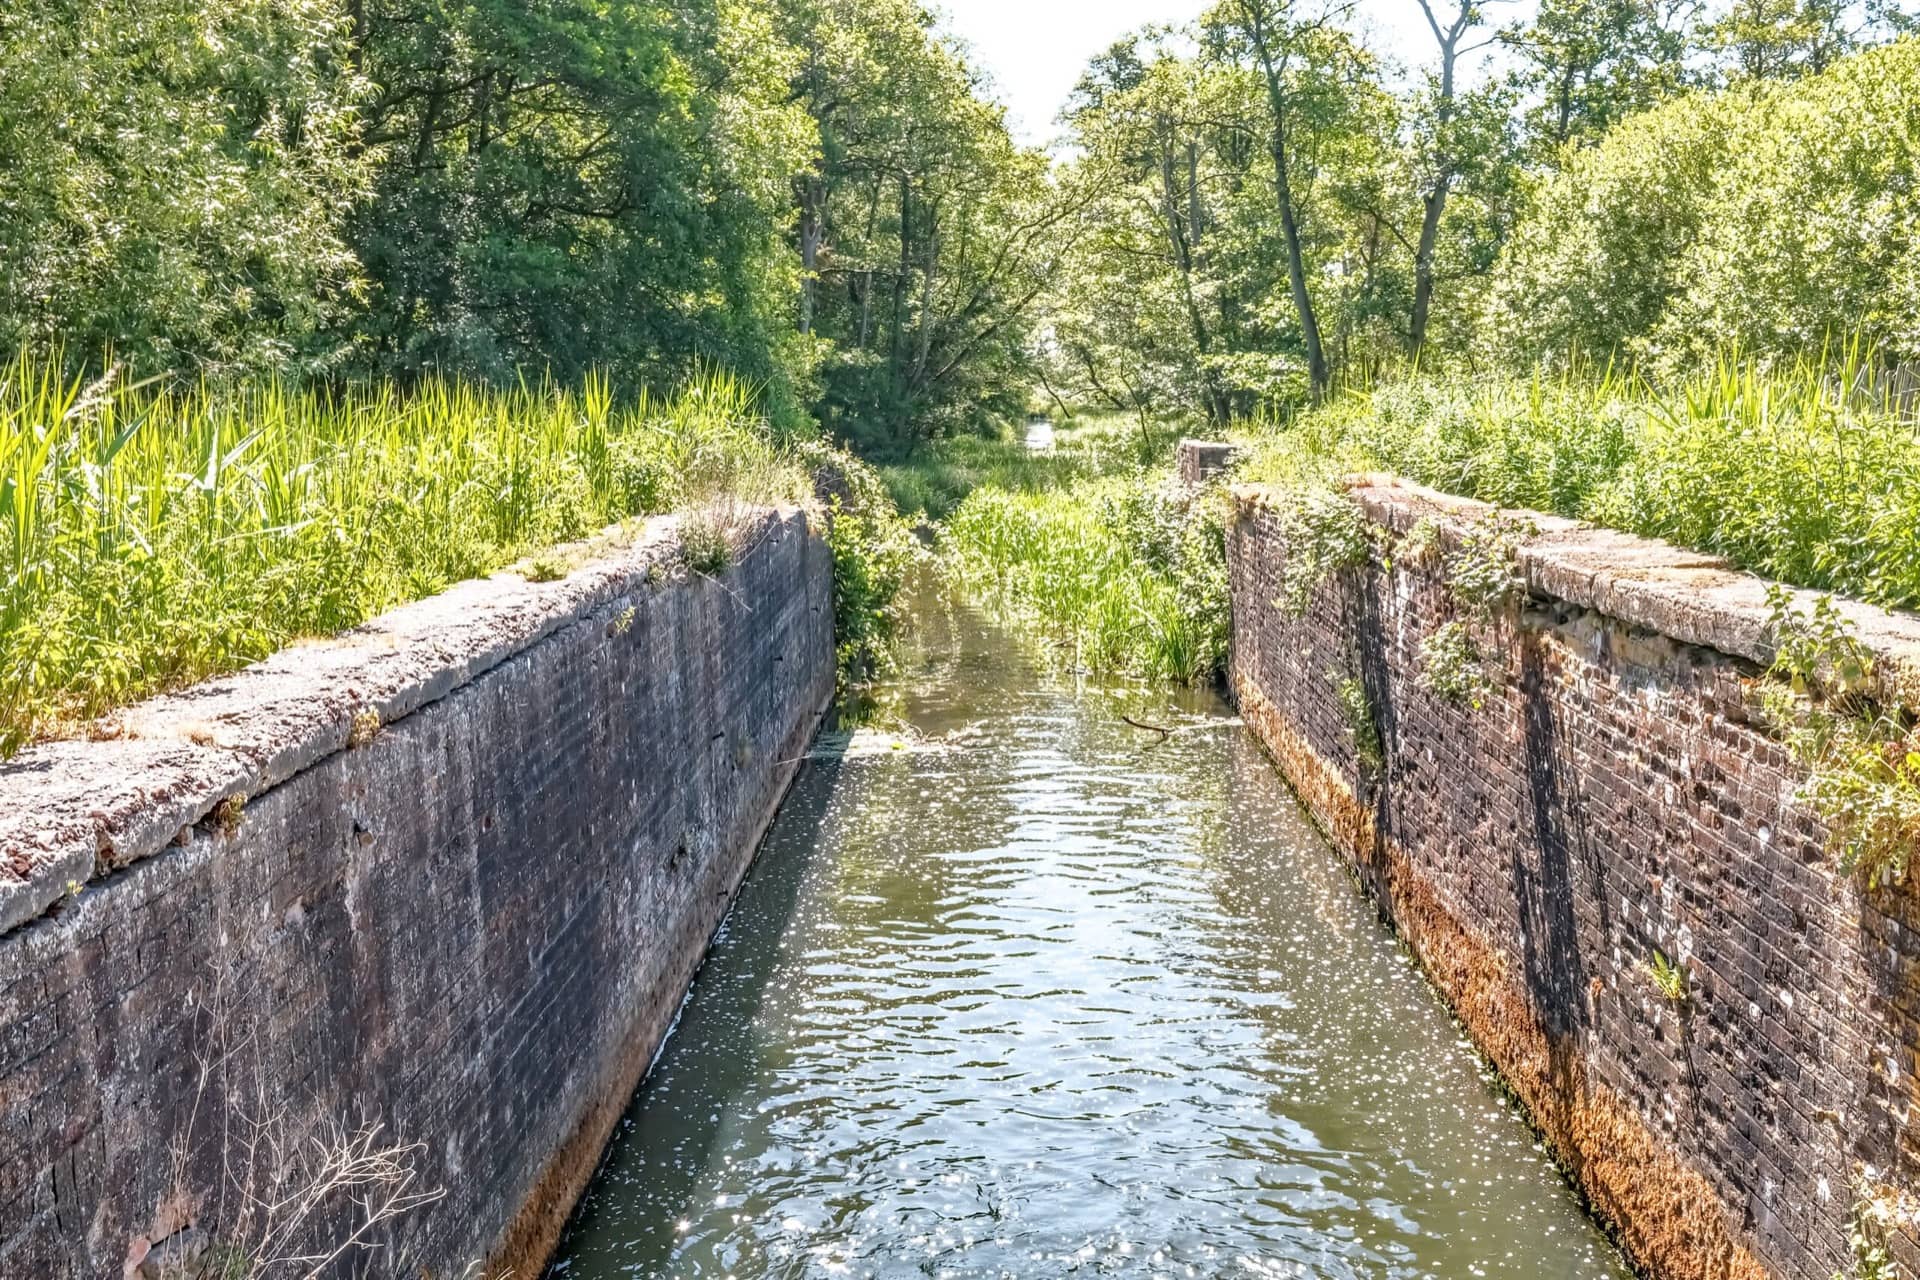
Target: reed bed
<point>1122,574</point>
<point>156,536</point>
<point>1809,474</point>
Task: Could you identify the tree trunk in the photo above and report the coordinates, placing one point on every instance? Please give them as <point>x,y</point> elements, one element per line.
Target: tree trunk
<point>1317,373</point>
<point>1195,216</point>
<point>1183,256</point>
<point>812,196</point>
<point>926,297</point>
<point>1436,205</point>
<point>901,277</point>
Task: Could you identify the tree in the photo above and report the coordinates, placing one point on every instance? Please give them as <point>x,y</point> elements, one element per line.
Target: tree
<point>576,183</point>
<point>1588,64</point>
<point>1777,39</point>
<point>1776,218</point>
<point>176,178</point>
<point>1275,35</point>
<point>925,234</point>
<point>1453,141</point>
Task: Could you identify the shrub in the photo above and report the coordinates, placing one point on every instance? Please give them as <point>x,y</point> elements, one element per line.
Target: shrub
<point>1804,473</point>
<point>1771,217</point>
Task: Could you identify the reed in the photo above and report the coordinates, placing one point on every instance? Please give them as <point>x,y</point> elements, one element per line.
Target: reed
<point>1808,473</point>
<point>1122,575</point>
<point>157,535</point>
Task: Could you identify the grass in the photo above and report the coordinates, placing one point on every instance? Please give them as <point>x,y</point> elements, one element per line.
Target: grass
<point>1085,544</point>
<point>1809,474</point>
<point>157,536</point>
<point>1122,575</point>
<point>933,484</point>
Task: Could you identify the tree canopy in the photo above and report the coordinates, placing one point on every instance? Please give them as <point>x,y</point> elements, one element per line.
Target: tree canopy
<point>823,196</point>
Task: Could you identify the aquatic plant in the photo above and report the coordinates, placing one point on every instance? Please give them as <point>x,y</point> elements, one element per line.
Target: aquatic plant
<point>1090,566</point>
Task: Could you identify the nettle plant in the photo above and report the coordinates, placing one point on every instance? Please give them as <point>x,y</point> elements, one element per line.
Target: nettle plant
<point>1862,755</point>
<point>1485,586</point>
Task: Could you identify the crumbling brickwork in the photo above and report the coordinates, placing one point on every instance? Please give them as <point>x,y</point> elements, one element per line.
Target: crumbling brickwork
<point>1612,797</point>
<point>470,925</point>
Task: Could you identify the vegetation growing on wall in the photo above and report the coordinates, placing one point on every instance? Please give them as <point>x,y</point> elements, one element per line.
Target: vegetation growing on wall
<point>1861,753</point>
<point>873,551</point>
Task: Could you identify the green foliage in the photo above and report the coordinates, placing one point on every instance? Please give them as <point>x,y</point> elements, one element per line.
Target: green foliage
<point>933,481</point>
<point>1780,471</point>
<point>1769,217</point>
<point>1451,666</point>
<point>156,537</point>
<point>1481,575</point>
<point>704,543</point>
<point>1121,579</point>
<point>1176,296</point>
<point>177,172</point>
<point>1325,533</point>
<point>1421,545</point>
<point>873,552</point>
<point>1668,978</point>
<point>571,184</point>
<point>1862,757</point>
<point>1588,64</point>
<point>1356,710</point>
<point>925,232</point>
<point>1875,1213</point>
<point>871,557</point>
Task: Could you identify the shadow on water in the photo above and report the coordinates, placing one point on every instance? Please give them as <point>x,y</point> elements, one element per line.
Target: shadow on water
<point>1016,989</point>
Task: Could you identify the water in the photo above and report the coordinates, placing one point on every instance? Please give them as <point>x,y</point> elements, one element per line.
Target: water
<point>1025,991</point>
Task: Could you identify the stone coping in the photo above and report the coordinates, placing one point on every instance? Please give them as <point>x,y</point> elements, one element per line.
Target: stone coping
<point>75,811</point>
<point>1688,596</point>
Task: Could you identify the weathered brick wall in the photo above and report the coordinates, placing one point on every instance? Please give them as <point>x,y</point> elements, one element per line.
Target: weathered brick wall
<point>1611,797</point>
<point>1197,461</point>
<point>471,927</point>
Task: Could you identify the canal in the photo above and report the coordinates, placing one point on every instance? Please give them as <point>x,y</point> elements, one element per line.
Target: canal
<point>1017,989</point>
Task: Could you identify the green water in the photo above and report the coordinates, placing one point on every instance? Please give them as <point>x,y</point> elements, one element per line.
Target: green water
<point>1020,990</point>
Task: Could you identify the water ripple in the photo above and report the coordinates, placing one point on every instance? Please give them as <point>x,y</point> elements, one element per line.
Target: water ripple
<point>1027,997</point>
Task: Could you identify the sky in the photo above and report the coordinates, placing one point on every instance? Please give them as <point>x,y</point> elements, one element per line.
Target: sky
<point>1036,49</point>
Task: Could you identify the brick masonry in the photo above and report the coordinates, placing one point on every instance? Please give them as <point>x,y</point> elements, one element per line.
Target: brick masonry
<point>1613,796</point>
<point>1197,461</point>
<point>470,927</point>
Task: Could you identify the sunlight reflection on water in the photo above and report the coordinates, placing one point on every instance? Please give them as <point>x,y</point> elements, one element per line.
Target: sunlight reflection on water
<point>1017,990</point>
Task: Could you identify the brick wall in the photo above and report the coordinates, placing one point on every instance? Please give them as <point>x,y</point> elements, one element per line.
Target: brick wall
<point>1197,461</point>
<point>1611,797</point>
<point>470,927</point>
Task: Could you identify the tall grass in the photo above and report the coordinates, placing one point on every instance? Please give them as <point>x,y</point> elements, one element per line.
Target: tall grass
<point>1808,473</point>
<point>934,483</point>
<point>157,536</point>
<point>1122,574</point>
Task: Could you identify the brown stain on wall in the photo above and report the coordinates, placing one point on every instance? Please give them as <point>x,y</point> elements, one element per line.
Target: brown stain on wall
<point>1664,1214</point>
<point>472,930</point>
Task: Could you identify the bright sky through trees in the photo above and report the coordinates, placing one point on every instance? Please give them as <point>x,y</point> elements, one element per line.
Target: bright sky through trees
<point>1036,49</point>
